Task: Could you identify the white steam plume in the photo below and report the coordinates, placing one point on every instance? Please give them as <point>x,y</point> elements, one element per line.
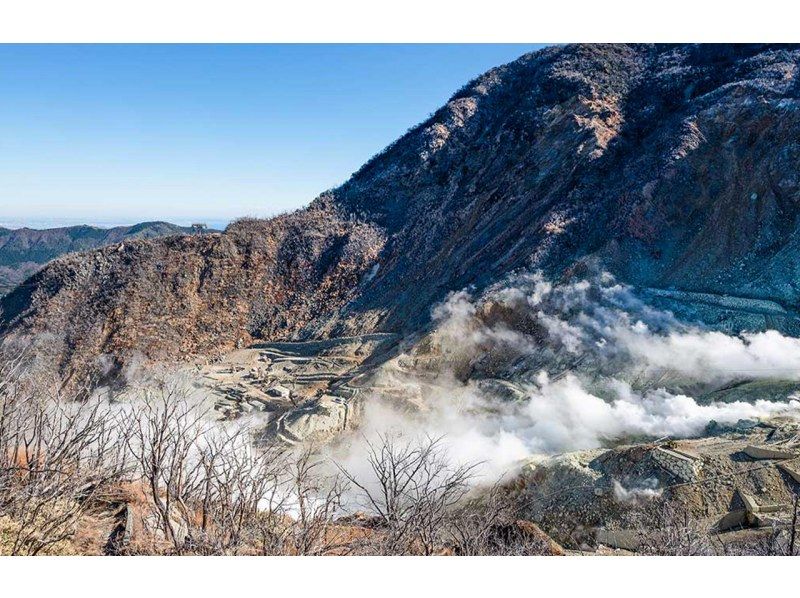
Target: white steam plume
<point>532,367</point>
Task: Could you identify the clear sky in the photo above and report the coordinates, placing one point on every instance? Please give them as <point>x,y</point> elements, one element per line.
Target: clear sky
<point>125,133</point>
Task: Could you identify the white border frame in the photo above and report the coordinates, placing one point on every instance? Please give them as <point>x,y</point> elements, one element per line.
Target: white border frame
<point>551,21</point>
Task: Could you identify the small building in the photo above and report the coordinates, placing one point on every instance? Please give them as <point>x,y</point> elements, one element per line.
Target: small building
<point>279,391</point>
<point>199,228</point>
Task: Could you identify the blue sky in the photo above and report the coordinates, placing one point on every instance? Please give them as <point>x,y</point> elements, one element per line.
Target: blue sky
<point>125,133</point>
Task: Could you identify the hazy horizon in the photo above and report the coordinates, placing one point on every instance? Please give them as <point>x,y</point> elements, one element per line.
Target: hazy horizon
<point>119,134</point>
<point>48,223</point>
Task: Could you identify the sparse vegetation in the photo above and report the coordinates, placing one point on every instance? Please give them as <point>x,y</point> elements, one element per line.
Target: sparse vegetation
<point>164,479</point>
<point>187,485</point>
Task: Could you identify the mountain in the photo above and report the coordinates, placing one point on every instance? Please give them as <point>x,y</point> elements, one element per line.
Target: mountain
<point>24,251</point>
<point>675,167</point>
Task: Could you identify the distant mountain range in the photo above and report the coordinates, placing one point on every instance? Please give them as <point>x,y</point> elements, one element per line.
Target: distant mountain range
<point>24,251</point>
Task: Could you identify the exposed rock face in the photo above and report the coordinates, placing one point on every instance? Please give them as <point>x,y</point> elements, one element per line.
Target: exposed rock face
<point>320,420</point>
<point>600,488</point>
<point>23,251</point>
<point>674,166</point>
<point>194,295</point>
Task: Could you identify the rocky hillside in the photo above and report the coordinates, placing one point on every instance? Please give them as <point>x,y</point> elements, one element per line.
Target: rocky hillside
<point>24,251</point>
<point>189,295</point>
<point>674,167</point>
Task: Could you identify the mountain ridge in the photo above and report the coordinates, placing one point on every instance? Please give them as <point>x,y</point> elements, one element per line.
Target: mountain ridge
<point>672,166</point>
<point>24,250</point>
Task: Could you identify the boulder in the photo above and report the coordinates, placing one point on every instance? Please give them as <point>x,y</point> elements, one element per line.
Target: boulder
<point>318,420</point>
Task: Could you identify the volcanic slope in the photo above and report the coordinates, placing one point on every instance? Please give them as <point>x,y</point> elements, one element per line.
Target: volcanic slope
<point>673,167</point>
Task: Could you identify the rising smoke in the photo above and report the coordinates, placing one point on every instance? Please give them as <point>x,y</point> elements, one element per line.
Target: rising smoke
<point>531,367</point>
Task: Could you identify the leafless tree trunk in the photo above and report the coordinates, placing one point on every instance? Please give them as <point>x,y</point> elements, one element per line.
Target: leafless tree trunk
<point>164,433</point>
<point>315,502</point>
<point>412,489</point>
<point>56,456</point>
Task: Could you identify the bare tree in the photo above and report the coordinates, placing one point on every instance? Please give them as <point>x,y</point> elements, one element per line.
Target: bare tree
<point>315,502</point>
<point>56,457</point>
<point>491,523</point>
<point>238,499</point>
<point>163,440</point>
<point>212,492</point>
<point>412,488</point>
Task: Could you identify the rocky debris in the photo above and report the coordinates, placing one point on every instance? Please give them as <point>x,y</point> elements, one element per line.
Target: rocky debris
<point>318,420</point>
<point>573,497</point>
<point>564,483</point>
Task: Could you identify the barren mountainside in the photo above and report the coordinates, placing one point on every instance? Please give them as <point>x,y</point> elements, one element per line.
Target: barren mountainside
<point>673,167</point>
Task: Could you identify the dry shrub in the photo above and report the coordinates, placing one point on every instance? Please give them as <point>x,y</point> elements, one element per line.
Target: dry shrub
<point>158,476</point>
